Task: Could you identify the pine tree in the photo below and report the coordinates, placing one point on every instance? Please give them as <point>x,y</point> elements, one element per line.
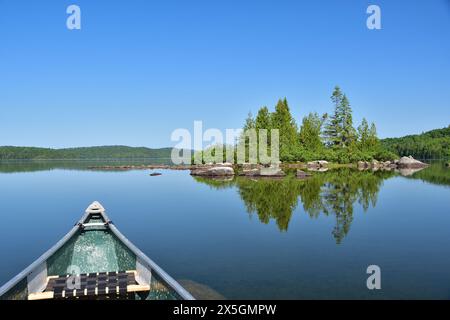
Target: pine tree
<point>363,135</point>
<point>244,139</point>
<point>263,119</point>
<point>310,132</point>
<point>249,122</point>
<point>333,128</point>
<point>339,130</point>
<point>285,123</point>
<point>348,133</point>
<point>373,141</point>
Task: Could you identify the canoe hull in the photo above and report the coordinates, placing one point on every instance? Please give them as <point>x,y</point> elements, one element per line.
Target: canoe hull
<point>94,245</point>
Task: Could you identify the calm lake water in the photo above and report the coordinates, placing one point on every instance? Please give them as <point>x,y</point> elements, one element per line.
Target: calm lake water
<point>247,239</point>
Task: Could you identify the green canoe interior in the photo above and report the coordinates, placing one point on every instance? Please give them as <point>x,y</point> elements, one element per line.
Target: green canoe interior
<point>95,249</point>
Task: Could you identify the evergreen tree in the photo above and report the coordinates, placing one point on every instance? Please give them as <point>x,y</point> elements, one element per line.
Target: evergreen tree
<point>363,135</point>
<point>244,139</point>
<point>310,132</point>
<point>263,121</point>
<point>333,127</point>
<point>339,130</point>
<point>348,133</point>
<point>373,141</point>
<point>249,122</point>
<point>285,123</point>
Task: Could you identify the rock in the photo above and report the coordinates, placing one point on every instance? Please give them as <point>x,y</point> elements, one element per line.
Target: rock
<point>249,166</point>
<point>153,174</point>
<point>375,164</point>
<point>224,164</point>
<point>272,171</point>
<point>323,163</point>
<point>302,174</point>
<point>250,172</point>
<point>213,171</point>
<point>317,164</point>
<point>410,163</point>
<point>363,165</point>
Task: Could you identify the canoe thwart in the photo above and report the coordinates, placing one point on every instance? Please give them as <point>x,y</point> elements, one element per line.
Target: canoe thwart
<point>90,285</point>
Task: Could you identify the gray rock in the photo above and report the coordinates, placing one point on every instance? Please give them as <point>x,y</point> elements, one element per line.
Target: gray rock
<point>410,163</point>
<point>362,165</point>
<point>317,164</point>
<point>272,171</point>
<point>213,171</point>
<point>302,174</point>
<point>250,172</point>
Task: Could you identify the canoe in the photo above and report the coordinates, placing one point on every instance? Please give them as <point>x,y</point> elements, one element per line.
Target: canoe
<point>94,261</point>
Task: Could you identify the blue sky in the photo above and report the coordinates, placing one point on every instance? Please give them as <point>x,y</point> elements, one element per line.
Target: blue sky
<point>137,70</point>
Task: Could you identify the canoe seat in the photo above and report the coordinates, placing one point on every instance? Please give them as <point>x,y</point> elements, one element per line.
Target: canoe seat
<point>88,285</point>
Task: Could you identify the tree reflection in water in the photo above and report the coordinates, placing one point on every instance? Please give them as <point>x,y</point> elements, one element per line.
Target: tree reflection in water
<point>330,193</point>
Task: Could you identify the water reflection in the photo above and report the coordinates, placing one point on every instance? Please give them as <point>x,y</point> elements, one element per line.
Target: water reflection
<point>330,193</point>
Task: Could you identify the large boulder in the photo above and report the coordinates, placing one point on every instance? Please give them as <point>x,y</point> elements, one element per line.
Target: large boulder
<point>216,171</point>
<point>410,163</point>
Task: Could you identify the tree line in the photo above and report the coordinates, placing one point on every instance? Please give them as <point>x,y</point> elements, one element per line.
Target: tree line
<point>434,144</point>
<point>101,152</point>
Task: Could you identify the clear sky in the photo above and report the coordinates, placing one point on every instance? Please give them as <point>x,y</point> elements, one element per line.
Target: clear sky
<point>137,70</point>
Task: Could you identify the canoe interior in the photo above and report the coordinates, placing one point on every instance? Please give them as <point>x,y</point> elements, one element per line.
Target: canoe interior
<point>91,250</point>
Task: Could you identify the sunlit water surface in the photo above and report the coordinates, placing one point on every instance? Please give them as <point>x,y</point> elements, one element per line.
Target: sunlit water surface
<point>248,239</point>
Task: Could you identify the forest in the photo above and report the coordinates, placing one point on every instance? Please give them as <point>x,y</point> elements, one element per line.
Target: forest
<point>434,144</point>
<point>102,152</point>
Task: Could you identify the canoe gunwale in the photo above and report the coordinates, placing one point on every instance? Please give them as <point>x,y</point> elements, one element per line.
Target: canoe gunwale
<point>43,258</point>
<point>174,285</point>
<point>154,267</point>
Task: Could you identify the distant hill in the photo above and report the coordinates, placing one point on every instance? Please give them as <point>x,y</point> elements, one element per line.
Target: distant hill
<point>434,144</point>
<point>102,152</point>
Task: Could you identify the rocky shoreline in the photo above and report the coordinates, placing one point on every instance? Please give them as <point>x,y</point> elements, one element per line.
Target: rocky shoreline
<point>405,165</point>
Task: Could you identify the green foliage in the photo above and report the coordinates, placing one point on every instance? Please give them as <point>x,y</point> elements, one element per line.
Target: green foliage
<point>102,152</point>
<point>339,130</point>
<point>434,144</point>
<point>208,155</point>
<point>285,123</point>
<point>263,119</point>
<point>321,137</point>
<point>310,132</point>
